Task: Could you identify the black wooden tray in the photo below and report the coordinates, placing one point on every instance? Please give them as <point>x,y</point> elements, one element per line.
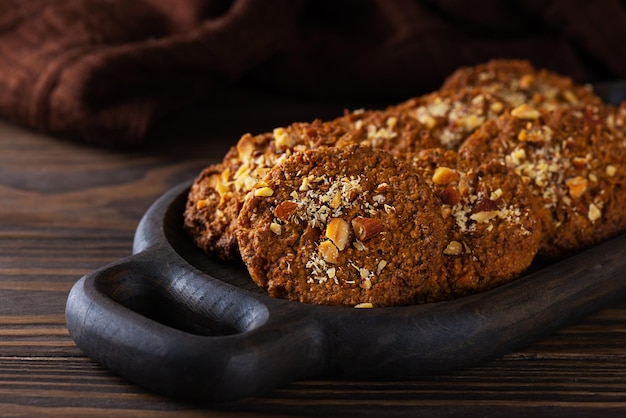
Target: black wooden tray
<point>173,320</point>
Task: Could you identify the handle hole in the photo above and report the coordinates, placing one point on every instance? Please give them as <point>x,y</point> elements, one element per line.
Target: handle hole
<point>183,301</point>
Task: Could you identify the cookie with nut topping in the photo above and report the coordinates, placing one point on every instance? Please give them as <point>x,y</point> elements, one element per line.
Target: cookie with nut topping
<point>518,82</point>
<point>573,160</point>
<point>445,118</point>
<point>217,194</point>
<point>344,226</point>
<point>493,223</point>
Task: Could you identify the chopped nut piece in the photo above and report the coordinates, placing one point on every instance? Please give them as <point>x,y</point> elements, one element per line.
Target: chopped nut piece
<point>484,216</point>
<point>594,213</point>
<point>366,228</point>
<point>496,107</point>
<point>381,187</point>
<point>336,201</point>
<point>463,186</point>
<point>425,118</point>
<point>450,196</point>
<point>577,186</point>
<point>263,192</point>
<point>283,139</point>
<point>329,252</point>
<point>444,175</point>
<point>363,305</point>
<point>245,147</point>
<point>522,136</point>
<point>379,198</point>
<point>222,188</point>
<point>453,248</point>
<point>526,81</point>
<point>275,228</point>
<point>285,210</point>
<point>338,231</point>
<point>570,96</point>
<point>579,162</point>
<point>518,156</point>
<point>484,205</point>
<point>611,170</point>
<point>359,245</point>
<point>524,111</point>
<point>381,266</point>
<point>225,175</point>
<point>496,194</point>
<point>331,272</point>
<point>202,203</point>
<point>472,122</point>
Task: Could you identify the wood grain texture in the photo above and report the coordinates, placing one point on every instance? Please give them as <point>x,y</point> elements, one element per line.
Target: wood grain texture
<point>67,209</point>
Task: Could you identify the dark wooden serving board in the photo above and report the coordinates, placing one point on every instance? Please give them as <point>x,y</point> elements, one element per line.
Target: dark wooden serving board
<point>171,319</point>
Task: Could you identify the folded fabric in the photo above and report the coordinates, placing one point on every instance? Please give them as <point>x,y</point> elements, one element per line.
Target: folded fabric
<point>105,70</point>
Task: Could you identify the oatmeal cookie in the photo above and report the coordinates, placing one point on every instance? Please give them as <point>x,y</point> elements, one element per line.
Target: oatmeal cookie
<point>573,160</point>
<point>206,216</point>
<point>218,193</point>
<point>494,230</point>
<point>344,226</point>
<point>445,118</point>
<point>431,121</point>
<point>518,82</point>
<point>441,119</point>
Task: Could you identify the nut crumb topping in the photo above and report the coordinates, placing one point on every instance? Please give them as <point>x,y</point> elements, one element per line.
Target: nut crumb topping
<point>453,248</point>
<point>263,192</point>
<point>329,253</point>
<point>524,111</point>
<point>594,213</point>
<point>276,228</point>
<point>338,232</point>
<point>366,228</point>
<point>283,139</point>
<point>444,175</point>
<point>285,210</point>
<point>611,170</point>
<point>201,204</point>
<point>577,186</point>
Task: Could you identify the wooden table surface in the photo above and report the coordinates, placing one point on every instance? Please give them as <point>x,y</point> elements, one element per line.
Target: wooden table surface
<point>67,209</point>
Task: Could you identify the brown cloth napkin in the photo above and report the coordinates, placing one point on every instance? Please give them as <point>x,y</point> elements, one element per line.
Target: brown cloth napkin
<point>105,70</point>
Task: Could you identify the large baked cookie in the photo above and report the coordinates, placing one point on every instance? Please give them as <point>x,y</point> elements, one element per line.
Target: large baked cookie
<point>518,82</point>
<point>345,226</point>
<point>493,223</point>
<point>573,160</point>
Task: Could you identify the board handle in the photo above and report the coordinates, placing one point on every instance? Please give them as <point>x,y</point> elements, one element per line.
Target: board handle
<point>169,329</point>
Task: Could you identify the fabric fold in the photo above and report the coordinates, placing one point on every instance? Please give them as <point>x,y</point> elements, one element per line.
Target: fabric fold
<point>104,71</point>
